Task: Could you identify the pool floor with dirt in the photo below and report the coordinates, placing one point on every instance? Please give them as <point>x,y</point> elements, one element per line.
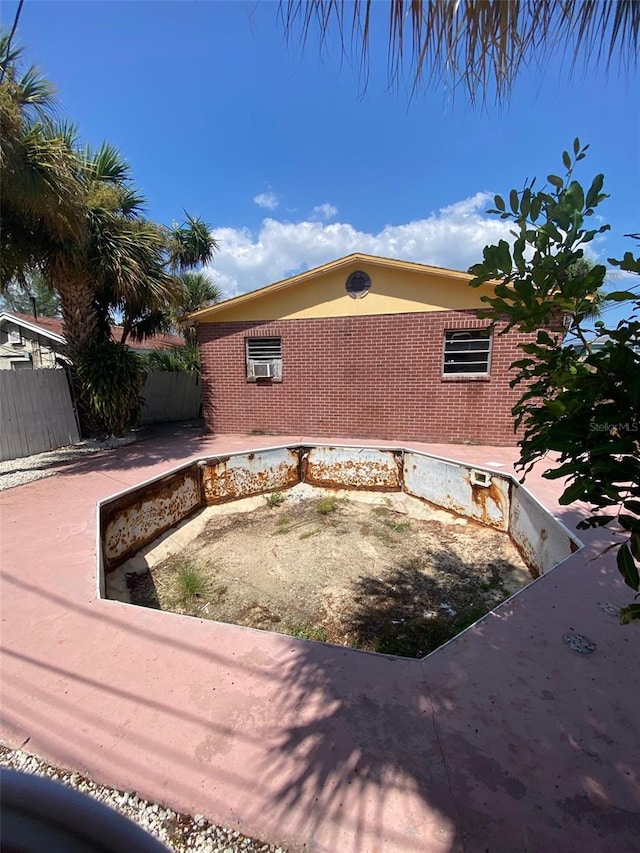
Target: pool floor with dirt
<point>387,573</point>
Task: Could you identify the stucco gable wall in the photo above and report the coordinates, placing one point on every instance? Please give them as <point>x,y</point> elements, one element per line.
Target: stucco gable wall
<point>394,290</point>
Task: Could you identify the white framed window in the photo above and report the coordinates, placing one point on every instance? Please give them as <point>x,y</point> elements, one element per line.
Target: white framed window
<point>21,363</point>
<point>14,337</point>
<point>264,358</point>
<point>467,352</point>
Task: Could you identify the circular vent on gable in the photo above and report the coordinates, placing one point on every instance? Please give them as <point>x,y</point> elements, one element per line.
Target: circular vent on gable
<point>358,284</point>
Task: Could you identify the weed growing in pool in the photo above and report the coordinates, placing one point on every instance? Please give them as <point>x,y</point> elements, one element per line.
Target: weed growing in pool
<point>310,533</point>
<point>416,637</point>
<point>397,526</point>
<point>287,523</point>
<point>191,582</point>
<point>274,499</point>
<point>329,504</point>
<point>308,632</point>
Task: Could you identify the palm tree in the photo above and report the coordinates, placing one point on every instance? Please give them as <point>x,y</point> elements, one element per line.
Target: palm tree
<point>189,244</point>
<point>473,45</point>
<point>42,199</point>
<point>199,290</point>
<point>148,310</point>
<point>119,259</point>
<point>75,216</point>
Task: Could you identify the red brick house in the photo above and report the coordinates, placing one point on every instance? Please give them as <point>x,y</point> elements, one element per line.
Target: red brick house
<point>362,347</point>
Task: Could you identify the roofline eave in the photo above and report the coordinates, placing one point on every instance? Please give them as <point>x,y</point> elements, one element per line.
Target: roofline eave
<point>285,283</point>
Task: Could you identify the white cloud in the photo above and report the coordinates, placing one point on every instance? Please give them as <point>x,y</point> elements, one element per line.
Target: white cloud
<point>325,211</point>
<point>453,237</point>
<point>267,200</point>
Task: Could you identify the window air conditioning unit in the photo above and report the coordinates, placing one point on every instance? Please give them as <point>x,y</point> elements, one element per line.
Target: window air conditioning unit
<point>262,370</point>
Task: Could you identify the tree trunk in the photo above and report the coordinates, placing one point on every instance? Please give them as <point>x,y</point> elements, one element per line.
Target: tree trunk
<point>80,327</point>
<point>78,314</point>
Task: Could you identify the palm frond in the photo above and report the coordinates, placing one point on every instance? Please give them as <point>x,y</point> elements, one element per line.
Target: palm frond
<point>67,131</point>
<point>190,244</point>
<point>477,46</point>
<point>149,324</point>
<point>127,258</point>
<point>9,55</point>
<point>132,202</point>
<point>36,92</point>
<point>107,164</point>
<point>199,291</point>
<point>186,358</point>
<point>42,184</point>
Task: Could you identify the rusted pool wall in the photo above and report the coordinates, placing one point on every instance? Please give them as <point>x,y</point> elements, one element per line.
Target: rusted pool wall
<point>134,518</point>
<point>366,468</point>
<point>542,540</point>
<point>227,478</point>
<point>449,485</point>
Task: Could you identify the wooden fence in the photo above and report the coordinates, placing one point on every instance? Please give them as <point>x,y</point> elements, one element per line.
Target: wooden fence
<point>170,397</point>
<point>37,414</point>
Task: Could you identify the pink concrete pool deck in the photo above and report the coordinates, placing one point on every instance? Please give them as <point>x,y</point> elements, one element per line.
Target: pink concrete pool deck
<point>503,740</point>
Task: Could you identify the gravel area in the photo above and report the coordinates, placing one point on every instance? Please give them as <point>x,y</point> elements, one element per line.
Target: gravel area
<point>16,472</point>
<point>180,832</point>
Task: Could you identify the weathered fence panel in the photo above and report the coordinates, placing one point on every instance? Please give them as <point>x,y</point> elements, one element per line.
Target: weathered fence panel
<point>170,396</point>
<point>36,412</point>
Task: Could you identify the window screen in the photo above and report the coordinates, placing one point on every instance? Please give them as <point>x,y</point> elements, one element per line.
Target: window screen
<point>466,351</point>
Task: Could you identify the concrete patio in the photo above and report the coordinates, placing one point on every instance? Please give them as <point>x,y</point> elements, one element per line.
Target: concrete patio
<point>503,740</point>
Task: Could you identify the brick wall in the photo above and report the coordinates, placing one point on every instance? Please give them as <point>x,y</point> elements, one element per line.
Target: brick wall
<point>367,377</point>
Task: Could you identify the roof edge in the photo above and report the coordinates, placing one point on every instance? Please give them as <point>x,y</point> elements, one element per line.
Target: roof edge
<point>33,327</point>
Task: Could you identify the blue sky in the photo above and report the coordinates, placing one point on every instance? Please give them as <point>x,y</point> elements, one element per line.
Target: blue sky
<point>289,160</point>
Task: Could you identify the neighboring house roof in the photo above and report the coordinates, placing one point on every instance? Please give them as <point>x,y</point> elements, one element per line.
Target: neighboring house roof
<point>53,328</point>
<point>397,287</point>
<point>49,327</point>
<point>157,342</point>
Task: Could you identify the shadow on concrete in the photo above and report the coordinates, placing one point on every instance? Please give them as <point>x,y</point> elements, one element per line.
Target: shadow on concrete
<point>363,735</point>
<point>505,758</point>
<point>471,749</point>
<point>155,443</point>
<point>158,443</point>
<point>532,751</point>
<point>363,761</point>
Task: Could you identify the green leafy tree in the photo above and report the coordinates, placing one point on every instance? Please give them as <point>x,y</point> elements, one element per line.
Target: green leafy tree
<point>578,401</point>
<point>470,45</point>
<point>17,297</point>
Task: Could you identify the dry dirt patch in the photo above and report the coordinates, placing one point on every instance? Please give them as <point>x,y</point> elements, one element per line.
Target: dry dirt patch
<point>326,568</point>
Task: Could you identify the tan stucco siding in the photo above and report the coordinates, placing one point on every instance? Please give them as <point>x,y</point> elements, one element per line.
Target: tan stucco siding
<point>393,291</point>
